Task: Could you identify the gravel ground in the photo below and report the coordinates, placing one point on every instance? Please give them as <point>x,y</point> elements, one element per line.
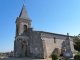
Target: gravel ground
<point>22,59</point>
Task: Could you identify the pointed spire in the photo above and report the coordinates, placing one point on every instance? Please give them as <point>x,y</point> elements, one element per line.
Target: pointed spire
<point>23,13</point>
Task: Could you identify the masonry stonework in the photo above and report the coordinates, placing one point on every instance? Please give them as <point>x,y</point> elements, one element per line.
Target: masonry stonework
<point>38,44</point>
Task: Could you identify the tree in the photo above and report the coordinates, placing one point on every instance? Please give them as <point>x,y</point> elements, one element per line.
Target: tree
<point>75,39</point>
<point>77,42</point>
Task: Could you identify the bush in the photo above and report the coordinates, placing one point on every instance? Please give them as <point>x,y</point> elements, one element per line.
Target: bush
<point>77,57</point>
<point>55,57</point>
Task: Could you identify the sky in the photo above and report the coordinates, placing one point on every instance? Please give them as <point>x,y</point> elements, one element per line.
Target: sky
<point>56,16</point>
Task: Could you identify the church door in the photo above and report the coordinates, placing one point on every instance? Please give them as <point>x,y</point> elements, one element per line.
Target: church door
<point>24,48</point>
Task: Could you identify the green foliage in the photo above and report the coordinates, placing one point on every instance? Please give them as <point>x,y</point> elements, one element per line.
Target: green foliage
<point>77,57</point>
<point>2,54</point>
<point>55,57</point>
<point>76,39</point>
<point>76,43</point>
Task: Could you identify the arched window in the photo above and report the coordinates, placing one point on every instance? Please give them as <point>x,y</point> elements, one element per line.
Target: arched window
<point>54,39</point>
<point>25,28</point>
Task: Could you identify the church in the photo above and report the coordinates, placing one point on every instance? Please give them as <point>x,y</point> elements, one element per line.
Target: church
<point>39,44</point>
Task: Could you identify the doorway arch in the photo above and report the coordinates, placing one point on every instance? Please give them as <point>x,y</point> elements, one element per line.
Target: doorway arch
<point>24,48</point>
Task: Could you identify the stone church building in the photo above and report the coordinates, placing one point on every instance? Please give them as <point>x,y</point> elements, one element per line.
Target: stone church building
<point>39,44</point>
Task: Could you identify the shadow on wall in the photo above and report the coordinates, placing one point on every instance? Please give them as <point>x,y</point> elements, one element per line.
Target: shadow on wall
<point>56,50</point>
<point>59,51</point>
<point>63,47</point>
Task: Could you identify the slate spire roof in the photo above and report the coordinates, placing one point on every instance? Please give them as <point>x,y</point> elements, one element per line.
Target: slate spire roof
<point>23,13</point>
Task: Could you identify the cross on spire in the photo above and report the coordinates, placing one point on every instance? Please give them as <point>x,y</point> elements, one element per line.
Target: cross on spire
<point>23,13</point>
<point>67,34</point>
<point>24,2</point>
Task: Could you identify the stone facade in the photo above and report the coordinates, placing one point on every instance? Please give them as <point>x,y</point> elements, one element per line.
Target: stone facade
<point>54,41</point>
<point>37,44</point>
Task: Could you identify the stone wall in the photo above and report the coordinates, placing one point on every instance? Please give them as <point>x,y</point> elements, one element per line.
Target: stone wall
<point>51,44</point>
<point>21,27</point>
<point>37,46</point>
<point>14,48</point>
<point>18,44</point>
<point>30,41</point>
<point>18,47</point>
<point>40,45</point>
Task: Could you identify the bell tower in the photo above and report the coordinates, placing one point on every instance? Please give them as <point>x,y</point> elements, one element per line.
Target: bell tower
<point>23,22</point>
<point>23,25</point>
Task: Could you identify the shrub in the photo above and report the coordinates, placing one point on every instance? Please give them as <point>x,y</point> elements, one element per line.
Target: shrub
<point>55,57</point>
<point>77,57</point>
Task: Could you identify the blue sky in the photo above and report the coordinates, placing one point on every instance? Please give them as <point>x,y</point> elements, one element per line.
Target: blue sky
<point>57,16</point>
